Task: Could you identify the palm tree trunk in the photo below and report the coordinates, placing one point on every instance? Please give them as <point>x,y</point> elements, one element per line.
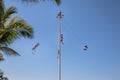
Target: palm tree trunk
<point>1,13</point>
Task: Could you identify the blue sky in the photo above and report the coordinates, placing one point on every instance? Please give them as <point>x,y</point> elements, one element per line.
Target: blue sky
<point>92,22</point>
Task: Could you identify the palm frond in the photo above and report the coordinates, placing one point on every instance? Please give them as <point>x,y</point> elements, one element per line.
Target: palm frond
<point>25,33</point>
<point>58,2</point>
<point>1,57</point>
<point>21,26</point>
<point>2,7</point>
<point>8,12</point>
<point>16,28</point>
<point>8,51</point>
<point>35,1</point>
<point>7,36</point>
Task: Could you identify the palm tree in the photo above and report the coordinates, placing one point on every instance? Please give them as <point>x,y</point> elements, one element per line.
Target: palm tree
<point>13,27</point>
<point>17,27</point>
<point>1,76</point>
<point>58,2</point>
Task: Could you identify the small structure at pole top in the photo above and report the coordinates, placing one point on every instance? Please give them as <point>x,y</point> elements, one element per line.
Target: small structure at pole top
<point>60,15</point>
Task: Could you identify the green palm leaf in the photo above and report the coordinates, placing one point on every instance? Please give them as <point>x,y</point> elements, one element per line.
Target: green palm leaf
<point>9,12</point>
<point>7,36</point>
<point>21,26</point>
<point>2,7</point>
<point>36,1</point>
<point>8,51</point>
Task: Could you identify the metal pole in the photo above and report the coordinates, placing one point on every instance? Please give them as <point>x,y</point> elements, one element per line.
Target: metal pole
<point>59,50</point>
<point>59,16</point>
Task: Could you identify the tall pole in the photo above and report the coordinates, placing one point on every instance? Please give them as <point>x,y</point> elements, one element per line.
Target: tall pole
<point>59,16</point>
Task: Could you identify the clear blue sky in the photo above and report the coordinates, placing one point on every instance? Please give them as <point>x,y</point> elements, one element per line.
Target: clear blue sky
<point>92,22</point>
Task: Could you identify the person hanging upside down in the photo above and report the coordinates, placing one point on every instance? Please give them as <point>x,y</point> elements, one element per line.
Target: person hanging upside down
<point>85,47</point>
